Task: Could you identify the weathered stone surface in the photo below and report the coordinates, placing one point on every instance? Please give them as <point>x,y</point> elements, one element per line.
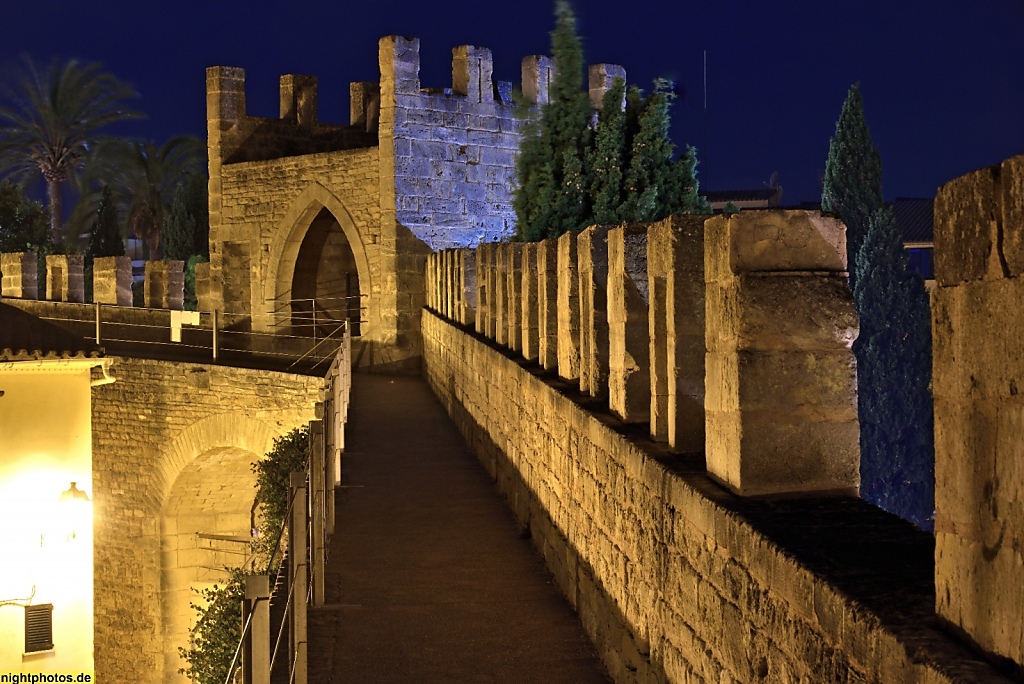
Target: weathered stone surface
<point>164,286</point>
<point>467,276</point>
<point>112,280</point>
<point>547,303</point>
<point>629,381</point>
<point>592,254</point>
<point>670,579</point>
<point>537,71</point>
<point>568,309</point>
<point>978,375</point>
<point>501,313</point>
<point>781,378</point>
<point>530,305</point>
<point>1012,199</point>
<point>514,292</point>
<point>776,240</point>
<point>203,294</point>
<point>160,435</point>
<point>967,211</point>
<point>471,73</point>
<point>675,262</point>
<point>65,279</point>
<point>20,273</point>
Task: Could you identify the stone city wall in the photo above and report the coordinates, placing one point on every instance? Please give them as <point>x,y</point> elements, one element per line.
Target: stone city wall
<point>978,378</point>
<point>672,583</point>
<point>148,427</point>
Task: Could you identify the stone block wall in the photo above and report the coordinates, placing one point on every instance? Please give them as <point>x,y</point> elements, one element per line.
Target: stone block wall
<point>19,272</point>
<point>112,280</point>
<point>781,377</point>
<point>978,375</point>
<point>669,581</point>
<point>65,279</point>
<point>148,426</point>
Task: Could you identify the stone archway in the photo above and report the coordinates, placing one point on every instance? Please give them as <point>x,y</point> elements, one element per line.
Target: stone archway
<point>205,526</point>
<point>317,252</point>
<point>207,492</point>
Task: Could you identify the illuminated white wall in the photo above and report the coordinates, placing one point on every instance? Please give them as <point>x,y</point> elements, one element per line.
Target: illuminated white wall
<point>45,444</point>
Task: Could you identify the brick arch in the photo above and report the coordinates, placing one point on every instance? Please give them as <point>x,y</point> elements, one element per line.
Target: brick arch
<point>291,231</point>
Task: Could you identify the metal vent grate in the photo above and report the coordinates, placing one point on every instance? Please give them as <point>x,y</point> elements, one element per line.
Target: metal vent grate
<point>38,628</point>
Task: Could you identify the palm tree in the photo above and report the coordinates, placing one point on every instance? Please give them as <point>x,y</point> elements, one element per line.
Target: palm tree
<point>49,122</point>
<point>144,179</point>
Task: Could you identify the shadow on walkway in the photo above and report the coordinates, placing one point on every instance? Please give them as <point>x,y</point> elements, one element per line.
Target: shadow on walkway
<point>428,579</point>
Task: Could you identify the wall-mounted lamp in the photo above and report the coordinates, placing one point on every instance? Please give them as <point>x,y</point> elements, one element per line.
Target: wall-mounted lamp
<point>75,505</point>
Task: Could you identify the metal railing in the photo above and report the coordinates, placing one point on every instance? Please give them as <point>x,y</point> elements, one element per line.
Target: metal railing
<point>305,341</point>
<point>310,525</point>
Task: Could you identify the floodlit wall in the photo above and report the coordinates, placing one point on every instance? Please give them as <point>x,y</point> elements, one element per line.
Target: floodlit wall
<point>674,578</point>
<point>45,444</point>
<point>155,431</point>
<point>978,375</point>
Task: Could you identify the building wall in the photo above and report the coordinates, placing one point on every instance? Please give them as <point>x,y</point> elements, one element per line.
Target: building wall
<point>149,428</point>
<point>45,426</point>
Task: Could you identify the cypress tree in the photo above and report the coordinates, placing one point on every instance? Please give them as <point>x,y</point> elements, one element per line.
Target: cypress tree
<point>551,198</point>
<point>650,172</point>
<point>24,224</point>
<point>105,238</point>
<point>198,203</point>
<point>894,351</point>
<point>606,156</point>
<point>177,232</point>
<point>852,186</point>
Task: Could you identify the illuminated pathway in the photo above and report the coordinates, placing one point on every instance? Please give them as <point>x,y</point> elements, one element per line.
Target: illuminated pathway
<point>428,578</point>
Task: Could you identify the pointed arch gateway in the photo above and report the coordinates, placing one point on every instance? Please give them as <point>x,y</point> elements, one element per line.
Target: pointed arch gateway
<point>318,273</point>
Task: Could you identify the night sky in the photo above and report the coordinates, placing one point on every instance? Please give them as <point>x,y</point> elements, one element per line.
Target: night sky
<point>942,81</point>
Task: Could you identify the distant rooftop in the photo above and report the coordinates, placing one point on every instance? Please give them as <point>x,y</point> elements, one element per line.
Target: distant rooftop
<point>24,337</point>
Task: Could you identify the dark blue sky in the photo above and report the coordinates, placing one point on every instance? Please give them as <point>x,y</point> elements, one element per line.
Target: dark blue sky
<point>942,81</point>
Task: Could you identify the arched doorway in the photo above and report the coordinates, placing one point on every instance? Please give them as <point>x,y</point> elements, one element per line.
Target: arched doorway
<point>325,282</point>
<point>205,527</point>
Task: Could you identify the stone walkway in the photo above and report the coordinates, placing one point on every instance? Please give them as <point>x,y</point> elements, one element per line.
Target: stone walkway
<point>428,579</point>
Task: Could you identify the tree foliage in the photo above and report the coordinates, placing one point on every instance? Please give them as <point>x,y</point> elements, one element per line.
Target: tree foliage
<point>893,349</point>
<point>273,488</point>
<point>552,193</point>
<point>894,352</point>
<point>50,118</point>
<point>852,187</point>
<point>217,632</point>
<point>145,178</point>
<point>177,232</point>
<point>574,172</point>
<point>23,222</point>
<point>105,237</point>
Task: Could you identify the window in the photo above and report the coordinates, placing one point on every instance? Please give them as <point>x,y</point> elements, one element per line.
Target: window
<point>919,260</point>
<point>38,628</point>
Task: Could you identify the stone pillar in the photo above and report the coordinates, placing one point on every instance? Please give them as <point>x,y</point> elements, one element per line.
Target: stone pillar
<point>204,301</point>
<point>467,276</point>
<point>483,288</point>
<point>568,308</point>
<point>65,280</point>
<point>629,376</point>
<point>472,68</point>
<point>592,250</point>
<point>164,285</point>
<point>515,295</point>
<point>501,293</point>
<point>431,280</point>
<point>530,309</point>
<point>537,73</point>
<point>601,78</point>
<point>675,272</point>
<point>444,261</point>
<point>20,271</point>
<point>298,99</point>
<point>547,304</point>
<point>978,378</point>
<point>112,280</point>
<point>781,377</point>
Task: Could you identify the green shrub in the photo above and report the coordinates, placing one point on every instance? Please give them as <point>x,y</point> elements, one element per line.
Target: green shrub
<point>218,631</point>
